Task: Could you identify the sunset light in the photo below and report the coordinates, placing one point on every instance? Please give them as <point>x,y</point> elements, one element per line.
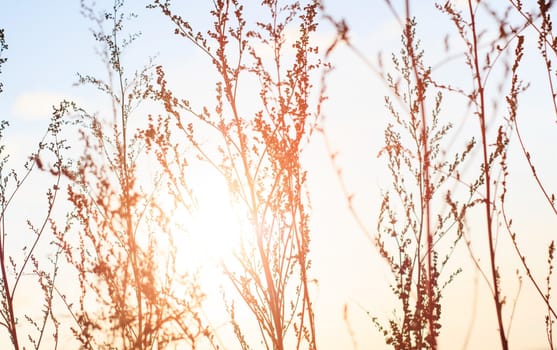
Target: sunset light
<point>210,232</point>
<point>278,175</point>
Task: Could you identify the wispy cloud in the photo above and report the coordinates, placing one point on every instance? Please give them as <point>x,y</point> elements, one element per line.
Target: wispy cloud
<point>36,105</point>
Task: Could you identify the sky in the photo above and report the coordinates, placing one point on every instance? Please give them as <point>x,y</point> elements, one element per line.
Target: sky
<point>49,43</point>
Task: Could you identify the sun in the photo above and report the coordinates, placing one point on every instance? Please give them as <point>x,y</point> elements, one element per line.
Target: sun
<point>217,224</point>
<point>212,229</point>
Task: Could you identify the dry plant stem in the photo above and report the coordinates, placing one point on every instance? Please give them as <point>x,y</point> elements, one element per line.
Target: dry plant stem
<point>407,242</point>
<point>546,42</point>
<point>125,184</point>
<point>230,88</point>
<point>507,221</point>
<point>7,261</point>
<point>541,186</point>
<point>258,156</point>
<point>525,265</point>
<point>146,302</point>
<point>125,174</point>
<point>274,301</point>
<point>9,323</point>
<point>486,169</point>
<point>349,328</point>
<point>549,319</point>
<point>546,39</point>
<point>425,189</point>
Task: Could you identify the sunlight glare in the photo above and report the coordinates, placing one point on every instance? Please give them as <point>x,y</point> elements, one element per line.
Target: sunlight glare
<point>212,231</point>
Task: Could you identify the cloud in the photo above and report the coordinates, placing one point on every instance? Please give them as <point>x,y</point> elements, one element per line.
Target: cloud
<point>463,4</point>
<point>36,105</point>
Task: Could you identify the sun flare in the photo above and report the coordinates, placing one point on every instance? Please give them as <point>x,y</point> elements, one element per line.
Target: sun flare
<point>212,230</point>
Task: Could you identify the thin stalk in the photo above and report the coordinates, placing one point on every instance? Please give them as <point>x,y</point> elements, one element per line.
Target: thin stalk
<point>124,179</point>
<point>10,323</point>
<point>487,200</point>
<point>273,299</point>
<point>425,162</point>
